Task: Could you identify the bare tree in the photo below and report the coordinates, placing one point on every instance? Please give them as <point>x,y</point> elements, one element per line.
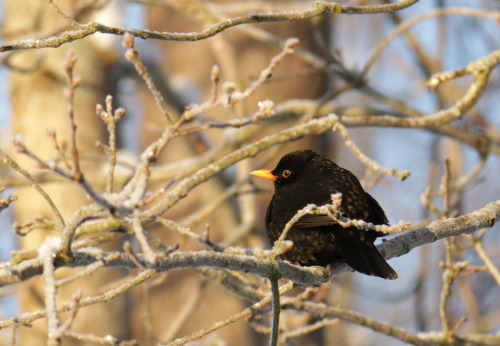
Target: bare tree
<point>166,185</point>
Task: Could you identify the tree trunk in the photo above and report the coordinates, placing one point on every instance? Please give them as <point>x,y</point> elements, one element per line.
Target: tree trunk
<point>37,102</point>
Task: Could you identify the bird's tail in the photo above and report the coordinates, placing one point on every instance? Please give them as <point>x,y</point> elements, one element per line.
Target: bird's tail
<point>362,255</point>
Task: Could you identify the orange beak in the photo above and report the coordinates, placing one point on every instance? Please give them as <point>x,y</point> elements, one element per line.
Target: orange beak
<point>264,173</point>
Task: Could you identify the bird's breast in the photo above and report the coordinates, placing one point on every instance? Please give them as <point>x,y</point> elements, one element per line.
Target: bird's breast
<point>288,200</point>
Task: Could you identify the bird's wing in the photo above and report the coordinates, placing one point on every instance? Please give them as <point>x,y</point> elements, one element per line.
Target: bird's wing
<point>314,221</point>
<point>317,220</point>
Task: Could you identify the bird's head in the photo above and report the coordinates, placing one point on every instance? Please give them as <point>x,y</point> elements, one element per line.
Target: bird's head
<point>289,167</point>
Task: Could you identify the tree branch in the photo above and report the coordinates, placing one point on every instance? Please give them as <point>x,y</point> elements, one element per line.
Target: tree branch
<point>319,8</point>
<point>303,276</point>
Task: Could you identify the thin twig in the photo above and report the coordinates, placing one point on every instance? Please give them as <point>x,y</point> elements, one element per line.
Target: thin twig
<point>47,253</point>
<point>447,278</point>
<point>275,292</point>
<point>73,83</point>
<point>492,268</point>
<point>365,159</point>
<point>70,20</point>
<point>88,270</point>
<point>110,118</point>
<point>187,309</point>
<point>309,328</point>
<point>99,340</point>
<point>247,312</point>
<point>231,96</point>
<point>150,256</point>
<point>324,310</point>
<point>5,203</point>
<point>449,273</point>
<point>77,296</point>
<point>132,55</point>
<point>13,164</point>
<point>407,24</point>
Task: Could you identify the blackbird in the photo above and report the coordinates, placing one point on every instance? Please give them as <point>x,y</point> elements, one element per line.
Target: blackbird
<point>304,177</point>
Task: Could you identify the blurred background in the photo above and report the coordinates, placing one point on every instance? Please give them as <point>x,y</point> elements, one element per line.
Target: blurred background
<point>324,75</point>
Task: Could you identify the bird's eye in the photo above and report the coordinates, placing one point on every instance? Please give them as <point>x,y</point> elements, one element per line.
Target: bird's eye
<point>286,173</point>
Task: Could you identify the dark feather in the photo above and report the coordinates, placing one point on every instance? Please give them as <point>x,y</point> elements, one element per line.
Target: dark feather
<point>319,240</point>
